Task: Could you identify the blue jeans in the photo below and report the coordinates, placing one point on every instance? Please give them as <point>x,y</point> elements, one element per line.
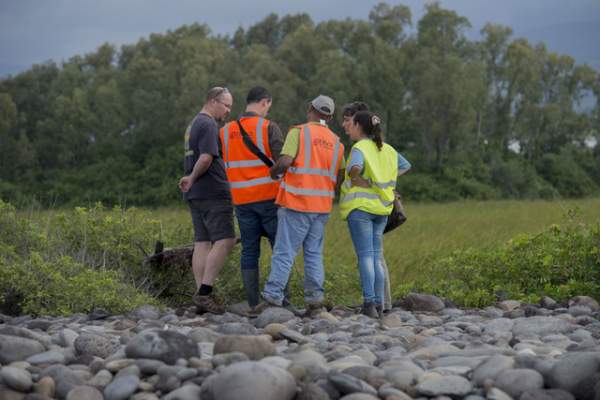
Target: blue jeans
<point>296,228</point>
<point>366,230</point>
<point>255,221</point>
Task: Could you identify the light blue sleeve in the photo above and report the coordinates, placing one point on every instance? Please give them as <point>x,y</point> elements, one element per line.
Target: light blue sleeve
<point>356,158</point>
<point>403,162</point>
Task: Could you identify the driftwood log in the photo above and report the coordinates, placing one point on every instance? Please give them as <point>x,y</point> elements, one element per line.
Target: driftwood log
<point>181,255</point>
<point>162,256</point>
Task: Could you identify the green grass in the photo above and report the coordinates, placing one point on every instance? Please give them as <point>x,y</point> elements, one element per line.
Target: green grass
<point>432,231</point>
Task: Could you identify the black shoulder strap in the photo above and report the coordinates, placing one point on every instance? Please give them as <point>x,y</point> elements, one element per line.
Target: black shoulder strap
<point>252,147</point>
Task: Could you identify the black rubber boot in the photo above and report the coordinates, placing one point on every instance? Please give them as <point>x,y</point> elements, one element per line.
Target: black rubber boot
<point>250,280</point>
<point>369,310</point>
<point>379,309</point>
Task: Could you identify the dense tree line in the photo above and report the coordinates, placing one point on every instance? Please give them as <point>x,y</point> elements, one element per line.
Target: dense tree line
<point>496,117</point>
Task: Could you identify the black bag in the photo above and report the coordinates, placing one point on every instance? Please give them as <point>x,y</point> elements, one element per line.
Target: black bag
<point>397,217</point>
<point>252,147</point>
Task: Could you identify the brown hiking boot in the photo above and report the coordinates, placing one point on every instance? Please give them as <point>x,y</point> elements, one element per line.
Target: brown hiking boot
<point>313,310</point>
<point>207,304</point>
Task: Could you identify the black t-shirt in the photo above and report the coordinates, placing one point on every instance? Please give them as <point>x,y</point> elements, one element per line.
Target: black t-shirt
<point>202,137</point>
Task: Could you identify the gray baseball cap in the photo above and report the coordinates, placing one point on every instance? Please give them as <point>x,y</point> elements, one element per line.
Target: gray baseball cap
<point>323,104</point>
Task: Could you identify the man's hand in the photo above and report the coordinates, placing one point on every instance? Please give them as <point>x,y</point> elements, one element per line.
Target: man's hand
<point>185,184</point>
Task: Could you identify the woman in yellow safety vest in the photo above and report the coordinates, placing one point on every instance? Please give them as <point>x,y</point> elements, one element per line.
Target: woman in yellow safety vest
<point>366,201</point>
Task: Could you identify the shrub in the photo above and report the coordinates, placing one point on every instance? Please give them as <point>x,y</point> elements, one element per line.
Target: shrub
<point>560,262</point>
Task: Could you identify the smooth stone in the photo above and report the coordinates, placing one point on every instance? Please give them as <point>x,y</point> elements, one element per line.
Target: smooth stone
<point>371,375</point>
<point>274,330</point>
<point>225,359</point>
<point>277,361</point>
<point>422,302</point>
<point>497,394</point>
<point>68,337</point>
<point>445,385</point>
<point>509,305</point>
<point>16,378</point>
<point>45,386</point>
<point>47,357</point>
<point>146,396</point>
<point>585,301</point>
<point>570,371</point>
<point>144,312</point>
<point>546,394</point>
<point>9,394</point>
<point>164,345</point>
<point>273,315</point>
<point>237,328</point>
<point>101,379</point>
<point>402,380</point>
<point>14,348</point>
<point>255,347</point>
<point>250,380</point>
<point>578,311</point>
<point>84,392</point>
<point>359,396</point>
<point>186,392</point>
<point>490,368</point>
<point>121,388</point>
<point>312,391</point>
<point>64,377</point>
<point>516,381</point>
<point>346,383</point>
<point>294,336</point>
<point>202,334</point>
<point>541,326</point>
<point>117,365</point>
<point>149,366</point>
<point>96,345</point>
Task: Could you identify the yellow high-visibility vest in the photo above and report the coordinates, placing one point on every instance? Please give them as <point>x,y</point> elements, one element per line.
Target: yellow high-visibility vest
<point>381,168</point>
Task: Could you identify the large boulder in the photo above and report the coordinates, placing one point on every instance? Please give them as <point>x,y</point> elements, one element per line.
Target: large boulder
<point>255,347</point>
<point>422,302</point>
<point>250,380</point>
<point>14,348</point>
<point>164,345</point>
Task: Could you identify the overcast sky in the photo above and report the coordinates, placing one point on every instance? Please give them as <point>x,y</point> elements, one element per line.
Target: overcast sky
<point>34,31</point>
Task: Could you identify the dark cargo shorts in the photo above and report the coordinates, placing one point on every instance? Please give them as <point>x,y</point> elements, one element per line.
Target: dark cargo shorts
<point>212,219</point>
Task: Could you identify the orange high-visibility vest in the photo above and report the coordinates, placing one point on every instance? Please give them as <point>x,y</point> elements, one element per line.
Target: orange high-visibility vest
<point>308,184</point>
<point>248,176</point>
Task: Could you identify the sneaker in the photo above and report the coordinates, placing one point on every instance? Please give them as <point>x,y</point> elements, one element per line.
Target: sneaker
<point>207,304</point>
<point>313,310</point>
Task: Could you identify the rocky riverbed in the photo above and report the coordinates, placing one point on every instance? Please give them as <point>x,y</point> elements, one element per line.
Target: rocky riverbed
<point>421,349</point>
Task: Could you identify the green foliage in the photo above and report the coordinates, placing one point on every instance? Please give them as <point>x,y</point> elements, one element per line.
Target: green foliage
<point>560,262</point>
<point>72,263</point>
<point>108,126</point>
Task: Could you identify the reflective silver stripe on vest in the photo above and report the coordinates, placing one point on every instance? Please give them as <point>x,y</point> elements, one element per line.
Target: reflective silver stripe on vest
<point>336,152</point>
<point>363,195</point>
<point>347,183</point>
<point>251,182</point>
<point>244,163</point>
<point>259,135</point>
<point>189,153</point>
<point>385,185</point>
<point>306,192</point>
<point>306,146</point>
<point>309,171</point>
<point>226,140</point>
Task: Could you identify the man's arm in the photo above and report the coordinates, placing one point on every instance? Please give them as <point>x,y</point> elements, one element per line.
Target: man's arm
<point>280,166</point>
<point>200,168</point>
<point>275,140</point>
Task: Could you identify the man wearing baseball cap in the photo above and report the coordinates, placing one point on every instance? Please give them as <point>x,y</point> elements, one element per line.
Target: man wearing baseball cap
<point>310,160</point>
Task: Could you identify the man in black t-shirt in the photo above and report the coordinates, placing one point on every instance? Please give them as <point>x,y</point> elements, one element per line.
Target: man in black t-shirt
<point>206,190</point>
